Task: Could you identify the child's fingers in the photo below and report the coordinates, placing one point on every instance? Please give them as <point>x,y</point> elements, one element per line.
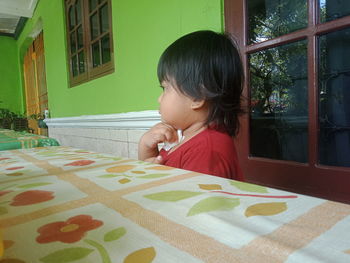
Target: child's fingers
<point>169,132</point>
<point>170,135</point>
<point>156,160</point>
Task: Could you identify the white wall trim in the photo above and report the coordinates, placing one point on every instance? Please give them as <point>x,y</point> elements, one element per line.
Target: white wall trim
<point>129,120</point>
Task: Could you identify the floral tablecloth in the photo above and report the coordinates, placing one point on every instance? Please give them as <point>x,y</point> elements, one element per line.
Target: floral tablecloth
<point>60,204</point>
<point>10,139</point>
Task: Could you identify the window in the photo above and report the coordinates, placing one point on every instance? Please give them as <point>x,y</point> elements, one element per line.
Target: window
<point>295,54</point>
<point>89,39</point>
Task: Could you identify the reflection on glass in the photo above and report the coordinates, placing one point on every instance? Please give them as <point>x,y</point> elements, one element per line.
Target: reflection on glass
<point>271,18</point>
<point>74,66</point>
<point>94,26</point>
<point>330,9</point>
<point>104,18</point>
<point>92,4</point>
<point>80,37</point>
<point>106,50</point>
<point>73,43</point>
<point>334,98</point>
<point>96,54</point>
<point>78,7</point>
<point>71,13</point>
<point>279,103</point>
<point>81,62</point>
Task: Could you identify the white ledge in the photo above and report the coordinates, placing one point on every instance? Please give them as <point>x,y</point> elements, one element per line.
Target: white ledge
<point>129,120</point>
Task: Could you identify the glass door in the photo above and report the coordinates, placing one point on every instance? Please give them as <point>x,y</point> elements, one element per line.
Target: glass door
<point>296,134</point>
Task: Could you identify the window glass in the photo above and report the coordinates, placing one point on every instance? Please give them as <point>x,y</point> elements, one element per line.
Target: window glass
<point>71,13</point>
<point>106,51</point>
<point>279,103</point>
<point>78,8</point>
<point>330,9</point>
<point>92,4</point>
<point>334,98</point>
<point>104,18</point>
<point>74,66</point>
<point>81,62</point>
<point>94,26</point>
<point>270,18</point>
<point>80,37</point>
<point>96,54</point>
<point>73,43</point>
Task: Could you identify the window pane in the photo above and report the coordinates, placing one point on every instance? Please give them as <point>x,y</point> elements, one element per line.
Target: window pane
<point>331,10</point>
<point>104,18</point>
<point>80,37</point>
<point>334,98</point>
<point>106,50</point>
<point>71,17</point>
<point>96,54</point>
<point>92,4</point>
<point>74,66</point>
<point>78,7</point>
<point>279,103</point>
<point>94,26</point>
<point>73,43</point>
<point>81,62</point>
<point>270,18</point>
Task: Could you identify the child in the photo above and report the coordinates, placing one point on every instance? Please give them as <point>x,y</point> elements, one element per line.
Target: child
<point>201,76</point>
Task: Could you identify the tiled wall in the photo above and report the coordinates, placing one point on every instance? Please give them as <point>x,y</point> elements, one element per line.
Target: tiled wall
<point>122,143</point>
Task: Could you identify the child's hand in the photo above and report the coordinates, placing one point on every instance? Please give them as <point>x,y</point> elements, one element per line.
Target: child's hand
<point>148,145</point>
<point>156,160</point>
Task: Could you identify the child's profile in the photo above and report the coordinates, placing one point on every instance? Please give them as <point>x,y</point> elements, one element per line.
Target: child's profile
<point>202,77</point>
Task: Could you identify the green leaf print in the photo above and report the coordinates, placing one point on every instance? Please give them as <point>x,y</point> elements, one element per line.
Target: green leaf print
<point>110,175</point>
<point>249,187</point>
<point>172,196</point>
<point>151,176</point>
<point>67,255</point>
<point>114,234</point>
<point>215,203</point>
<point>27,186</point>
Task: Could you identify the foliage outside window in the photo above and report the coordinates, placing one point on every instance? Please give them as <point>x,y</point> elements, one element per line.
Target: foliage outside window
<point>89,39</point>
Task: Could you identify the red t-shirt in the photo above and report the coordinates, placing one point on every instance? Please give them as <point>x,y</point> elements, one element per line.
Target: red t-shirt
<point>210,152</point>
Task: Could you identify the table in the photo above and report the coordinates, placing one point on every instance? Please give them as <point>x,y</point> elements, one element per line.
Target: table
<point>10,139</point>
<point>61,204</point>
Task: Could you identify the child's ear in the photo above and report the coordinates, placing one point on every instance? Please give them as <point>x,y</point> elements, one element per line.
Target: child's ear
<point>197,104</point>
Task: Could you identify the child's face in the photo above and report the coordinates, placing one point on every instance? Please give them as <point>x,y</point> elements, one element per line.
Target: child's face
<point>175,107</point>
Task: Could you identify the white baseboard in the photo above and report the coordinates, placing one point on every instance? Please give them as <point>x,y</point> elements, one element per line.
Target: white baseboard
<point>129,120</point>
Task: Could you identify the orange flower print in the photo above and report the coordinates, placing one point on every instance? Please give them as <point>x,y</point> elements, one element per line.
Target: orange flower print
<point>69,231</point>
<point>32,197</point>
<point>80,163</point>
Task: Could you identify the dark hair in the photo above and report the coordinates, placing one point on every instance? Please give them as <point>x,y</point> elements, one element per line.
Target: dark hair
<point>206,65</point>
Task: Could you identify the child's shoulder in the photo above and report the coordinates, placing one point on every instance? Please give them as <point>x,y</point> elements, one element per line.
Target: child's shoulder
<point>214,137</point>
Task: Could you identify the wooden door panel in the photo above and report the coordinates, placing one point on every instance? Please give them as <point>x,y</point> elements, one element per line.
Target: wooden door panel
<point>35,82</point>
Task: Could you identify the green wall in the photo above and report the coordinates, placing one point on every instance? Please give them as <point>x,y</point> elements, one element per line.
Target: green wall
<point>141,31</point>
<point>10,84</point>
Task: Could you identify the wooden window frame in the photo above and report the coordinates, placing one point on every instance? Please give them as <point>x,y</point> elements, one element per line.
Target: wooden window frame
<point>90,71</point>
<point>312,178</point>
